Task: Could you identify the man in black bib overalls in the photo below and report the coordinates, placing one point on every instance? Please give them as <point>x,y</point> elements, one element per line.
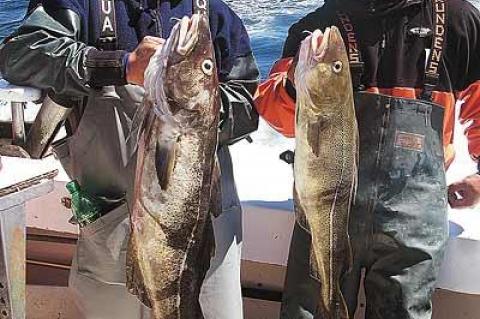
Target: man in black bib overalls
<point>92,55</point>
<point>410,61</point>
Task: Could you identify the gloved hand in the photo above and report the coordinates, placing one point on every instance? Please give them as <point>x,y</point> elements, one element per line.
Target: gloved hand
<point>291,72</point>
<point>469,191</point>
<point>138,60</point>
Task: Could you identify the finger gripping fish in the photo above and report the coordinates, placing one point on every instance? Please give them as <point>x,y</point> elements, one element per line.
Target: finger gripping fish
<point>171,238</point>
<point>326,155</point>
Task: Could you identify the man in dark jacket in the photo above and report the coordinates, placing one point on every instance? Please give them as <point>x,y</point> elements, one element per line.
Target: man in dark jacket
<point>411,61</point>
<point>70,50</point>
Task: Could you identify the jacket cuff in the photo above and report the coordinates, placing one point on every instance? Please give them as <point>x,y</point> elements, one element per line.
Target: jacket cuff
<point>106,67</point>
<point>292,92</point>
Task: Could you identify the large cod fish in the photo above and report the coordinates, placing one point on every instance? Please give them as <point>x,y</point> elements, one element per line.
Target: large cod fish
<point>172,239</point>
<point>326,155</point>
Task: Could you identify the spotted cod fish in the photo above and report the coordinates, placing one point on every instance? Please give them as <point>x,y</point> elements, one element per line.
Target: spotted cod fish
<point>325,167</point>
<point>175,186</point>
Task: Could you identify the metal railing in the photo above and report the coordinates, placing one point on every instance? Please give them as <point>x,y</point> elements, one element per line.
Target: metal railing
<point>19,140</point>
<point>29,139</point>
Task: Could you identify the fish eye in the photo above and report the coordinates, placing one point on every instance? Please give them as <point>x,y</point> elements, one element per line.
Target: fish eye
<point>207,67</point>
<point>337,66</point>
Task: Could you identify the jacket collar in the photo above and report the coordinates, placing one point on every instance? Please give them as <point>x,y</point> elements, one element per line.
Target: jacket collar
<point>374,8</point>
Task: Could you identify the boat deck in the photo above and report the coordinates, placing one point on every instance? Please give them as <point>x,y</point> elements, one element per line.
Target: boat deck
<point>264,185</point>
<point>267,231</point>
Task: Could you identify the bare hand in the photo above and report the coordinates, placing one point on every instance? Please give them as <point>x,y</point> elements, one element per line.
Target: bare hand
<point>138,60</point>
<point>465,193</point>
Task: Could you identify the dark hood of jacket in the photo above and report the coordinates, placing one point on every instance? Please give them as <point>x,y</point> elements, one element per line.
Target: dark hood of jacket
<point>373,8</point>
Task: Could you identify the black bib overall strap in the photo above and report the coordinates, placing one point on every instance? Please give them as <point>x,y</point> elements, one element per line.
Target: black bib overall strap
<point>108,40</point>
<point>436,52</point>
<point>432,67</point>
<point>354,56</point>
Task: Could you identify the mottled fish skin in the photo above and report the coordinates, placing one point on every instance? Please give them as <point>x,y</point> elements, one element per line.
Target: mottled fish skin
<point>326,157</point>
<point>171,239</point>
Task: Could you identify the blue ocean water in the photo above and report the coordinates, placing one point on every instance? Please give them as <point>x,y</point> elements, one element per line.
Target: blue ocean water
<point>266,20</point>
<point>12,13</point>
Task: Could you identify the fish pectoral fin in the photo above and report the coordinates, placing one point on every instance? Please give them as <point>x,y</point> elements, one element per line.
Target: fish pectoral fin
<point>314,130</point>
<point>165,159</point>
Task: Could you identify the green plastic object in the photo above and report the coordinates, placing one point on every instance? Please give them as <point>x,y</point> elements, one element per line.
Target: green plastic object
<point>86,209</point>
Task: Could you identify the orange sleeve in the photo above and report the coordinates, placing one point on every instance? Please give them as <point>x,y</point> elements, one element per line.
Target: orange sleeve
<point>470,112</point>
<point>273,102</point>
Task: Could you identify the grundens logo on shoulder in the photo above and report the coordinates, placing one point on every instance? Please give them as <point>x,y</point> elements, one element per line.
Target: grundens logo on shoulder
<point>439,34</point>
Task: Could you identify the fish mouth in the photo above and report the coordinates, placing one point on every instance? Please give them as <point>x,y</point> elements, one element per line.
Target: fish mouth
<point>320,43</point>
<point>188,34</point>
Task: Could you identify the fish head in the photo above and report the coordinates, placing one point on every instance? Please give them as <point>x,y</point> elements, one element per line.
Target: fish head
<point>186,80</point>
<point>322,75</point>
<point>191,75</point>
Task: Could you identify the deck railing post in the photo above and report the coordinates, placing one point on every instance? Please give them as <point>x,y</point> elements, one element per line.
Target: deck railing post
<point>18,123</point>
